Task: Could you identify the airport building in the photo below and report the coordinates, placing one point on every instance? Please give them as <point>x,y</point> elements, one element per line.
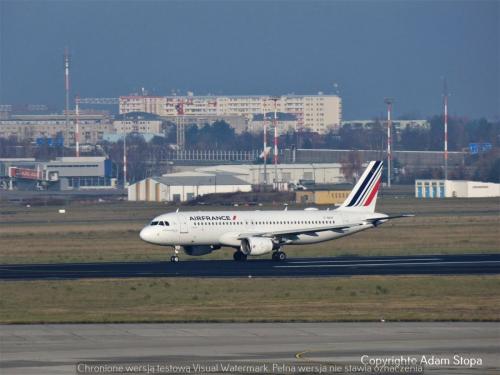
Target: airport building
<point>455,189</point>
<point>65,173</point>
<point>318,113</point>
<point>185,186</point>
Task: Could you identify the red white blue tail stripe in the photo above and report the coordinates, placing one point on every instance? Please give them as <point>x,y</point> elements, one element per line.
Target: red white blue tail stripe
<point>367,187</point>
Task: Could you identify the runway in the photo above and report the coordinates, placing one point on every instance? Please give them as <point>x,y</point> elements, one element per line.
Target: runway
<point>296,267</point>
<point>65,348</point>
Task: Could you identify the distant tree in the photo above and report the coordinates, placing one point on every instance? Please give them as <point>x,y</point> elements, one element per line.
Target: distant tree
<point>436,135</point>
<point>414,139</point>
<point>493,174</point>
<point>351,166</point>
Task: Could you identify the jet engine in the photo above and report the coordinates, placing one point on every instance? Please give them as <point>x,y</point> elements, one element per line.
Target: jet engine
<point>257,245</point>
<point>196,250</point>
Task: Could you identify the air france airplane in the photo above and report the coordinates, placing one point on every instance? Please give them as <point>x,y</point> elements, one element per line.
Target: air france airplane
<point>261,232</point>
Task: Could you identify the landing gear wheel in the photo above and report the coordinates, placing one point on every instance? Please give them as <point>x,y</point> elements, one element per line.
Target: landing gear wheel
<point>239,256</point>
<point>174,258</point>
<point>279,256</point>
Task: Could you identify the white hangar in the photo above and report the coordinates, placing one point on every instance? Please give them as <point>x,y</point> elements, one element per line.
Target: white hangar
<point>185,186</point>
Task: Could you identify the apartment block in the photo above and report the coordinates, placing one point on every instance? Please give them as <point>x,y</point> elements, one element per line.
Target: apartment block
<point>318,113</point>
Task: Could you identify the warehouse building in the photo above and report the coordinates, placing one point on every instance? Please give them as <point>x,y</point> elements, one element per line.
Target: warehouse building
<point>455,189</point>
<point>185,186</point>
<point>321,196</point>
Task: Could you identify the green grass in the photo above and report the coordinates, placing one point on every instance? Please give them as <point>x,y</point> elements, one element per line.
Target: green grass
<point>418,298</point>
<point>109,232</point>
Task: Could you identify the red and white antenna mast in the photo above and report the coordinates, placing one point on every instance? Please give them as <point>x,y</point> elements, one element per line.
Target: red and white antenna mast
<point>125,160</point>
<point>66,86</point>
<point>265,145</point>
<point>445,98</point>
<point>389,102</point>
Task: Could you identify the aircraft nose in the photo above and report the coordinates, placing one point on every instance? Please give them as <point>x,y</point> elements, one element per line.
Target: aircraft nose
<point>146,234</point>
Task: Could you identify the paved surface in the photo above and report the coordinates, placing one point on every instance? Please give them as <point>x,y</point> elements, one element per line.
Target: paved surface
<point>297,267</point>
<point>57,349</point>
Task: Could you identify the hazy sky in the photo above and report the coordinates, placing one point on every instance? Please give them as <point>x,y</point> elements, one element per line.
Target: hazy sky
<point>372,49</point>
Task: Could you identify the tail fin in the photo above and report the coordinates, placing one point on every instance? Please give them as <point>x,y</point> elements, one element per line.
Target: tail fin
<point>364,195</point>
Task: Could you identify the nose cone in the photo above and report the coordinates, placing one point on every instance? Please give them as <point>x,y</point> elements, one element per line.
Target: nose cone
<point>147,234</point>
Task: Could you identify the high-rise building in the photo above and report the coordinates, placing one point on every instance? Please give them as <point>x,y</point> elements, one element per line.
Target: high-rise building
<point>318,113</point>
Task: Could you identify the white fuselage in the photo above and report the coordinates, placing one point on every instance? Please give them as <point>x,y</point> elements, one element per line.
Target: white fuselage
<point>223,228</point>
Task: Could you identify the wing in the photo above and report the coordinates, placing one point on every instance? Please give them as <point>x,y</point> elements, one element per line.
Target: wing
<point>375,221</point>
<point>296,231</point>
<point>382,219</point>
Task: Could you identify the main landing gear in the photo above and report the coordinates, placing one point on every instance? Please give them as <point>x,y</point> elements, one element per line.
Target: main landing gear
<point>239,256</point>
<point>279,256</point>
<point>175,258</point>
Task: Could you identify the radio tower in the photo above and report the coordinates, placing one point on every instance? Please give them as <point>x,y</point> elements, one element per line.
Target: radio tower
<point>445,98</point>
<point>125,160</point>
<point>389,102</point>
<point>66,86</point>
<point>265,147</point>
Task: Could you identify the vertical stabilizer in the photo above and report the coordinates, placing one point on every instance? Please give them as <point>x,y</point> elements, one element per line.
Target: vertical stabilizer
<point>364,195</point>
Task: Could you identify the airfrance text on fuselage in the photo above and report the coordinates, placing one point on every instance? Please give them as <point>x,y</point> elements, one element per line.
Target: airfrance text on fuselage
<point>210,218</point>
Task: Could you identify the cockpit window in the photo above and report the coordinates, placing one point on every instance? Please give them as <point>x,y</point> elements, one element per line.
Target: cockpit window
<point>161,223</point>
<point>167,223</point>
<point>154,223</point>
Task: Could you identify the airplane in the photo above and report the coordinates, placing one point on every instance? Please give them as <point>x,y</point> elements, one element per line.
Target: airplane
<point>254,233</point>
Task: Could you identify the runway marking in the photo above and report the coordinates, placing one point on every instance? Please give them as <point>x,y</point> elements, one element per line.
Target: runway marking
<point>362,260</point>
<point>300,354</point>
<point>386,264</point>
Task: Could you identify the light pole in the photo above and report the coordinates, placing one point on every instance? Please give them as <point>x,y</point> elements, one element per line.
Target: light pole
<point>77,126</point>
<point>445,97</point>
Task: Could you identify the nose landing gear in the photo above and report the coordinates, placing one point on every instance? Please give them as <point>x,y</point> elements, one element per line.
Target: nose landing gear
<point>175,258</point>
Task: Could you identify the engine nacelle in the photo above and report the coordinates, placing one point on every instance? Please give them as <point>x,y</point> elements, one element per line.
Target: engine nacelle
<point>257,245</point>
<point>196,250</point>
